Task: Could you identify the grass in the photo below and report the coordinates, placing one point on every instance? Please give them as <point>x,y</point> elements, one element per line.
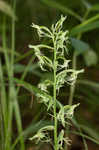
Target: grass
<point>9,105</point>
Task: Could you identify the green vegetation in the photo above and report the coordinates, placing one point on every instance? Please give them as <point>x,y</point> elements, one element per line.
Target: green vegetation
<point>61,74</point>
<point>39,88</point>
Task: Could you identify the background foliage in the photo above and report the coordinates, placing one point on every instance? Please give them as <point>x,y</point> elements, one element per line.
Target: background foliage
<point>21,115</point>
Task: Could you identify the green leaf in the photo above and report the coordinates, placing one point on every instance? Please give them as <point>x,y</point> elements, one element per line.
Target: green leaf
<point>84,28</point>
<point>79,46</point>
<point>91,84</point>
<point>62,8</point>
<point>20,68</point>
<point>28,86</point>
<point>3,100</point>
<point>92,19</point>
<point>85,25</point>
<point>92,132</point>
<point>6,8</point>
<point>90,58</point>
<point>33,89</point>
<point>86,137</point>
<point>95,7</point>
<point>92,135</point>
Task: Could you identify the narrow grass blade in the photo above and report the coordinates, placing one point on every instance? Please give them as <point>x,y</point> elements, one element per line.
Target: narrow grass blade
<point>9,127</point>
<point>13,39</point>
<point>13,93</point>
<point>85,28</point>
<point>92,84</point>
<point>7,62</point>
<point>26,70</point>
<point>89,24</point>
<point>3,97</point>
<point>19,123</point>
<point>92,135</point>
<point>8,133</point>
<point>90,132</point>
<point>23,56</point>
<point>80,133</point>
<point>3,109</point>
<point>30,87</point>
<point>86,137</point>
<point>34,89</point>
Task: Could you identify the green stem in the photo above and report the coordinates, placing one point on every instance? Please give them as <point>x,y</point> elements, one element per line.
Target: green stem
<point>54,95</point>
<point>1,128</point>
<point>25,71</point>
<point>72,91</point>
<point>72,88</point>
<point>13,39</point>
<point>5,46</point>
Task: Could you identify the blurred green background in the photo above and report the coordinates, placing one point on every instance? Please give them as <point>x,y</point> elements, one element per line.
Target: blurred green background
<point>16,17</point>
